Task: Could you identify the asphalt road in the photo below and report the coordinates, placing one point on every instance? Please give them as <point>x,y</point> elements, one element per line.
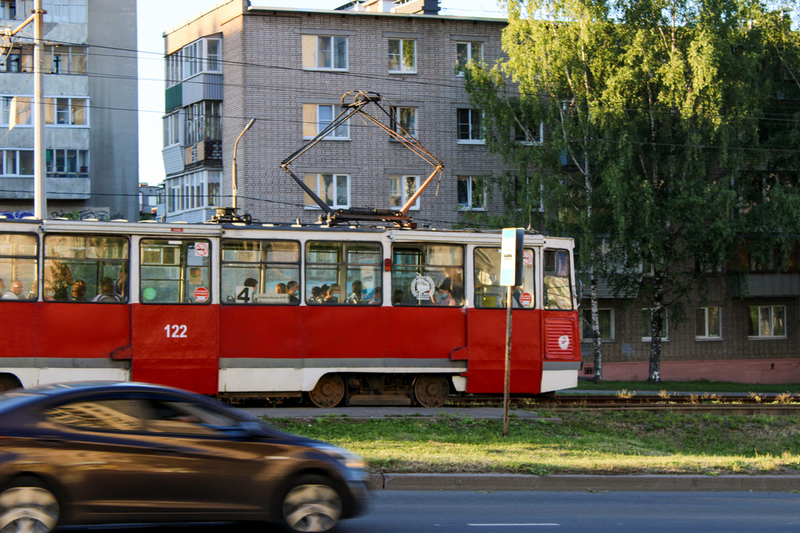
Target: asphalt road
<point>555,512</point>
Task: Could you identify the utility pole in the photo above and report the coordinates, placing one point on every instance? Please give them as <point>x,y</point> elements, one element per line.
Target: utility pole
<point>39,177</point>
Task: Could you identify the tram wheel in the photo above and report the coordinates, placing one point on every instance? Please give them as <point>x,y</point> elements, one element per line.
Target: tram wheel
<point>328,391</point>
<point>431,390</point>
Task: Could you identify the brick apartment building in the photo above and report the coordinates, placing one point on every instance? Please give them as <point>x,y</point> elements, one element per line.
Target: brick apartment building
<point>289,68</point>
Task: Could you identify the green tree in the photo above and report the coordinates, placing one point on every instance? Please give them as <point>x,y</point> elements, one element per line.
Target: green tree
<point>660,106</point>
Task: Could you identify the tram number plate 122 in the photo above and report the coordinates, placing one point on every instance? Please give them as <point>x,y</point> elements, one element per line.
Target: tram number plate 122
<point>175,331</point>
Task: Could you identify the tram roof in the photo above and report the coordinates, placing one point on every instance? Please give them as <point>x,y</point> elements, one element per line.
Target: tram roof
<point>208,229</point>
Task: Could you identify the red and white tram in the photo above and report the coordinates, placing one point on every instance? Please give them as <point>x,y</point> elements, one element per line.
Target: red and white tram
<point>353,315</point>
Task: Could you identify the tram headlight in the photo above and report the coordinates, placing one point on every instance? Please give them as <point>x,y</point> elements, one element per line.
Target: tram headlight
<point>348,459</point>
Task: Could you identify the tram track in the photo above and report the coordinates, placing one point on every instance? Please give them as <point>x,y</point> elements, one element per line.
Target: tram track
<point>684,402</point>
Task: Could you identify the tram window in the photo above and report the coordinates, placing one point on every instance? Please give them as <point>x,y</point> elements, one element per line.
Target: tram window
<point>175,271</point>
<point>259,271</point>
<point>84,269</point>
<point>488,291</point>
<point>18,266</point>
<point>557,291</point>
<point>343,272</point>
<point>427,274</point>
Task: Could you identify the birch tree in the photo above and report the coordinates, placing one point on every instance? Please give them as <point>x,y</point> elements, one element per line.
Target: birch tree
<point>659,105</point>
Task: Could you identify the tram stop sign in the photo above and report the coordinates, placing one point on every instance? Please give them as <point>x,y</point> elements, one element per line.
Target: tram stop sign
<point>511,256</point>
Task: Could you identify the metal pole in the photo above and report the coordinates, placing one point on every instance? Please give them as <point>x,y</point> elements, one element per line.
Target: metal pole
<point>507,381</point>
<point>40,187</point>
<point>234,184</point>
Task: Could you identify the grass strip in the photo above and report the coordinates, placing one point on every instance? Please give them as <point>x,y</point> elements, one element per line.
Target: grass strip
<point>688,386</point>
<point>584,443</point>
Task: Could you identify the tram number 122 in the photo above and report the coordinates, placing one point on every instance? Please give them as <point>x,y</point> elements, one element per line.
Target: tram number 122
<point>175,331</point>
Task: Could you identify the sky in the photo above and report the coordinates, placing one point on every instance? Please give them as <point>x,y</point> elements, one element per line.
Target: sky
<point>157,16</point>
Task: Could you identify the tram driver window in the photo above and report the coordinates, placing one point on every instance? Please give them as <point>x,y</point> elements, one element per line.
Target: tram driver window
<point>18,266</point>
<point>260,272</point>
<point>175,271</point>
<point>85,269</point>
<point>343,273</point>
<point>488,291</point>
<point>427,274</point>
<point>557,291</point>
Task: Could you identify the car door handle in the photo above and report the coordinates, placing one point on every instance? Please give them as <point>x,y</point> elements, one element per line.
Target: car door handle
<point>51,441</point>
<point>167,450</point>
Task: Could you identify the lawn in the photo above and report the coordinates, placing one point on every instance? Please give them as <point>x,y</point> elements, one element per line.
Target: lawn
<point>583,443</point>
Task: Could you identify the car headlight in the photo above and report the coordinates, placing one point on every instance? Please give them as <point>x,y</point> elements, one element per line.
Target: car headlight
<point>348,459</point>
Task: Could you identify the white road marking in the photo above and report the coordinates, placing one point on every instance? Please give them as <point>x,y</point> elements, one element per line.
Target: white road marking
<point>512,525</point>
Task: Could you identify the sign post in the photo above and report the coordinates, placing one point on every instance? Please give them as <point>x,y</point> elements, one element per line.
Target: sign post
<point>510,275</point>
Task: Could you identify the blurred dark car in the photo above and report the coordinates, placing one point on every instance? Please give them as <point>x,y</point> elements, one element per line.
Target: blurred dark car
<point>90,453</point>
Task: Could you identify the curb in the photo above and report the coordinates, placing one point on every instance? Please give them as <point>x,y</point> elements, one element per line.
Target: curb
<point>520,482</point>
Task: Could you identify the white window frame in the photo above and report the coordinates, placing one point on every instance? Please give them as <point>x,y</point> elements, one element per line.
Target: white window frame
<point>472,114</point>
<point>402,67</point>
<point>400,180</point>
<point>319,177</point>
<point>771,311</point>
<point>172,129</point>
<point>648,320</point>
<point>208,62</point>
<point>396,112</point>
<point>71,11</point>
<point>52,168</point>
<point>341,133</point>
<point>707,335</point>
<point>468,206</point>
<point>311,46</point>
<point>470,55</point>
<point>585,325</point>
<point>15,154</point>
<point>528,141</point>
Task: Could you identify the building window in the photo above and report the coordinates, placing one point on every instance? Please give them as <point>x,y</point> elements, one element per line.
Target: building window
<point>65,163</point>
<point>469,126</point>
<point>8,9</point>
<point>324,52</point>
<point>606,322</point>
<point>213,54</point>
<point>16,162</point>
<point>172,129</point>
<point>402,55</point>
<point>333,189</point>
<point>65,60</point>
<point>647,331</point>
<point>767,321</point>
<point>73,11</point>
<point>471,193</point>
<point>316,117</point>
<point>466,52</point>
<point>401,188</point>
<point>529,137</point>
<point>192,59</point>
<point>202,122</point>
<point>404,118</point>
<point>708,323</point>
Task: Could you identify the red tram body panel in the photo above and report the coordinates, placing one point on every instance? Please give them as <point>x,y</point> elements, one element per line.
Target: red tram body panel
<point>409,315</point>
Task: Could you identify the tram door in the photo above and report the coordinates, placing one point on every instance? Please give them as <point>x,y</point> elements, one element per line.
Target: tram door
<point>175,327</point>
<point>487,327</point>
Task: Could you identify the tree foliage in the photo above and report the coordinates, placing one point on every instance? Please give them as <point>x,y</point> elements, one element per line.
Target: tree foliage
<point>670,127</point>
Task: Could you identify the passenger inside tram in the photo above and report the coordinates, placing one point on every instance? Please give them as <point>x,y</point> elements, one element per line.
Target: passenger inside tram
<point>334,291</point>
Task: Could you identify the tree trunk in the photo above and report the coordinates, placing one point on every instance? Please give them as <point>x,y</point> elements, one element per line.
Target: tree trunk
<point>656,324</point>
<point>597,354</point>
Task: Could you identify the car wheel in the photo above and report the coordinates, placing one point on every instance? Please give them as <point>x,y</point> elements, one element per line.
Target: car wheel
<point>311,504</point>
<point>28,506</point>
